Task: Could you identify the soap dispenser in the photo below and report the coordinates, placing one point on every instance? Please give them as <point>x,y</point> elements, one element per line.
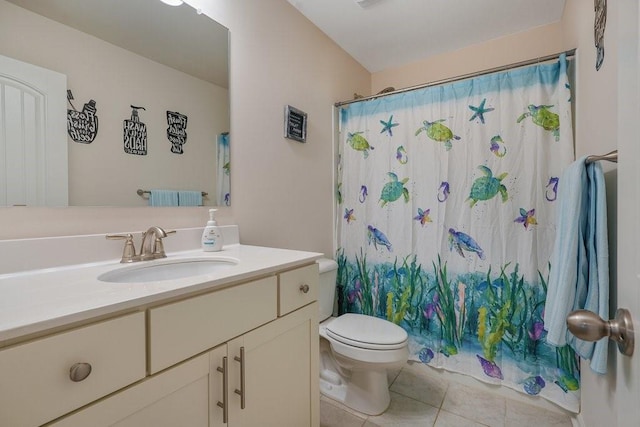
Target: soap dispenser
<point>212,236</point>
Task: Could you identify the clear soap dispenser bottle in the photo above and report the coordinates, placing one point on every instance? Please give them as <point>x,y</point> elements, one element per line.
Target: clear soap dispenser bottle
<point>212,236</point>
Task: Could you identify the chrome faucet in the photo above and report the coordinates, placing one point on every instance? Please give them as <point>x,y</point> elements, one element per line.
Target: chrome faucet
<point>151,247</point>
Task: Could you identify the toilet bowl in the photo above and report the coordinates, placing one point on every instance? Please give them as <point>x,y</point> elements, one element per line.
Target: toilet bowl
<point>356,351</point>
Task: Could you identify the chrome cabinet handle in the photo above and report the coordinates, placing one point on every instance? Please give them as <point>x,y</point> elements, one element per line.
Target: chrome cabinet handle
<point>241,392</point>
<point>304,288</point>
<point>79,371</point>
<point>225,390</point>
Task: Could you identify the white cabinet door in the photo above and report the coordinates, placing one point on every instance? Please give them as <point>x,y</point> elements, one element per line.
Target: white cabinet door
<point>281,373</point>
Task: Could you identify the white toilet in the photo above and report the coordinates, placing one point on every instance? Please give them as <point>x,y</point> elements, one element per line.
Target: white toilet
<point>356,351</point>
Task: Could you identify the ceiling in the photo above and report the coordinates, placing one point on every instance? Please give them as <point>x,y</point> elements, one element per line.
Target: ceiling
<point>149,28</point>
<point>382,34</point>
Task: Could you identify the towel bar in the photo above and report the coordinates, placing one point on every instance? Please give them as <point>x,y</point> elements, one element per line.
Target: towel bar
<point>611,156</point>
<point>141,192</point>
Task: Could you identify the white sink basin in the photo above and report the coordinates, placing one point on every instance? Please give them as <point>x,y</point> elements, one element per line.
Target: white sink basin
<point>156,271</point>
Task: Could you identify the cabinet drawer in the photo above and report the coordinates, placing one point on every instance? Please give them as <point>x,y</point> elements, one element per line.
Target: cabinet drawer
<point>176,397</point>
<point>35,384</point>
<point>298,288</point>
<point>183,329</point>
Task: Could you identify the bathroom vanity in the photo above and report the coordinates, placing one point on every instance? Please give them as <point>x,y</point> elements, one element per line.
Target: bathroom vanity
<point>236,347</point>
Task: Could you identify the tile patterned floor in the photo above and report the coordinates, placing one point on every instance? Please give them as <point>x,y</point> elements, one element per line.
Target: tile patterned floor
<point>420,398</point>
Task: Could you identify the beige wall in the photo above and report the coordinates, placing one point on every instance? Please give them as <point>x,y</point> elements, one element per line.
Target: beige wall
<point>101,173</point>
<point>282,190</point>
<point>518,47</point>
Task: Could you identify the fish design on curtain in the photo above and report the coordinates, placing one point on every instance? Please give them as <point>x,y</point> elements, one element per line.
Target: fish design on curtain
<point>446,222</point>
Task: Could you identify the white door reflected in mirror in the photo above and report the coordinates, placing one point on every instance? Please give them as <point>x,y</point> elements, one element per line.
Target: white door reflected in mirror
<point>32,135</point>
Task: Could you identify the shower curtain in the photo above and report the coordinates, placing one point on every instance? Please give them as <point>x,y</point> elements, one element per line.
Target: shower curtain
<point>223,168</point>
<point>446,201</point>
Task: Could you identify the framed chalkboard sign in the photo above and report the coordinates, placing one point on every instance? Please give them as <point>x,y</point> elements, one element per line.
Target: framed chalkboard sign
<point>295,124</point>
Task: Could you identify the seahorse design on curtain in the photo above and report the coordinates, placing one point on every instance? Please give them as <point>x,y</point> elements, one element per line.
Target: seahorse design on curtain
<point>454,245</point>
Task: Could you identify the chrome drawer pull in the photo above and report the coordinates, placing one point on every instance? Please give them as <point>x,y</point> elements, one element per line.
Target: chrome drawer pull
<point>241,392</point>
<point>304,288</point>
<point>79,371</point>
<point>225,391</point>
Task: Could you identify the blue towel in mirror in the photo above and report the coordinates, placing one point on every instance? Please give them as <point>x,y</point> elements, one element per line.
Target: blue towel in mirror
<point>163,198</point>
<point>189,198</point>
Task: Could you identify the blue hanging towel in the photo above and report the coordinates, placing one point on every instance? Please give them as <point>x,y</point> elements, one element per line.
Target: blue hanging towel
<point>163,198</point>
<point>190,198</point>
<point>579,275</point>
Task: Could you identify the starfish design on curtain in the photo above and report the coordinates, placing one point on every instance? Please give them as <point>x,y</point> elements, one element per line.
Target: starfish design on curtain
<point>478,112</point>
<point>387,126</point>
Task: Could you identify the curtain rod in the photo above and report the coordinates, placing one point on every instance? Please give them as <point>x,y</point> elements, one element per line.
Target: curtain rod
<point>569,53</point>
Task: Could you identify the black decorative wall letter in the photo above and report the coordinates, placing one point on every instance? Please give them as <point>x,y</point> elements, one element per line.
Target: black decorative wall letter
<point>177,131</point>
<point>135,134</point>
<point>82,126</point>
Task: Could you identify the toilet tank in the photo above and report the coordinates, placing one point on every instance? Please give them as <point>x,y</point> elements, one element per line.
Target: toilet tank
<point>327,292</point>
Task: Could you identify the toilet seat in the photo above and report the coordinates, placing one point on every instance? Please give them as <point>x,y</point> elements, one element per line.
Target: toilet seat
<point>367,332</point>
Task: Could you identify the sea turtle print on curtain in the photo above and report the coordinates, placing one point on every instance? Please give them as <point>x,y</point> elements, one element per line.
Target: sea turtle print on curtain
<point>446,227</point>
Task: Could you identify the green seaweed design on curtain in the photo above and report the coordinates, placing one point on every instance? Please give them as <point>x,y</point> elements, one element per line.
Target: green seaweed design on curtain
<point>451,322</point>
<point>392,295</point>
<point>497,314</point>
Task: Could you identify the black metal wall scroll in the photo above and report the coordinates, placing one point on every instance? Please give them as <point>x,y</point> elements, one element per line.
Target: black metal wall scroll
<point>599,25</point>
<point>135,134</point>
<point>176,131</point>
<point>82,126</point>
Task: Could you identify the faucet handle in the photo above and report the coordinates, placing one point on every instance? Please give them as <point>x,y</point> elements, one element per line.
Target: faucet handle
<point>129,252</point>
<point>158,247</point>
<point>144,233</point>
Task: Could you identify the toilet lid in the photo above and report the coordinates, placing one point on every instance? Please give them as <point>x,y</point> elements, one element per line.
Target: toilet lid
<point>367,332</point>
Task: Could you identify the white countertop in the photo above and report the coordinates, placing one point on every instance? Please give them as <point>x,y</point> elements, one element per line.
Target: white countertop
<point>39,300</point>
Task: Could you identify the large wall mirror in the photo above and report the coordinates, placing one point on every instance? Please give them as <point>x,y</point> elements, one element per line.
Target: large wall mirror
<point>146,102</point>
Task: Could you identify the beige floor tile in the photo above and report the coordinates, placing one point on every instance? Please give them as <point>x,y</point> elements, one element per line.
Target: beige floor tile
<point>475,404</point>
<point>404,412</point>
<point>415,381</point>
<point>343,407</point>
<point>333,416</point>
<point>523,415</point>
<point>416,394</point>
<point>393,374</point>
<point>447,419</point>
